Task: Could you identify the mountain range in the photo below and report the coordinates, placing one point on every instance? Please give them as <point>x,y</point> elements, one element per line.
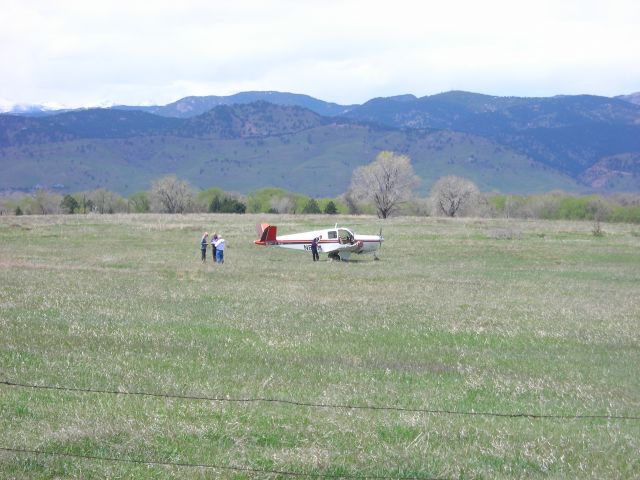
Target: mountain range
<point>250,140</point>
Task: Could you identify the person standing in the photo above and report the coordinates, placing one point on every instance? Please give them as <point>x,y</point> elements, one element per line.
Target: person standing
<point>219,243</point>
<point>203,246</point>
<point>214,237</point>
<point>314,249</point>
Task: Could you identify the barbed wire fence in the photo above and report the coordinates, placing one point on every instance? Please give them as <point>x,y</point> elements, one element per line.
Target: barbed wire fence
<point>294,403</point>
<point>288,473</point>
<point>322,405</point>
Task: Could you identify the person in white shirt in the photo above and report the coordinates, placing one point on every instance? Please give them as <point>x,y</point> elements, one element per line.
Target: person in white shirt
<point>219,243</point>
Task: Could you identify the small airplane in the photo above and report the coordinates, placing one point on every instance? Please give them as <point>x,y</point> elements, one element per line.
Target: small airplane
<point>338,242</point>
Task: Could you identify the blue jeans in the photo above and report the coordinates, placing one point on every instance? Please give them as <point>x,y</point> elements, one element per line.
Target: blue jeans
<point>219,256</point>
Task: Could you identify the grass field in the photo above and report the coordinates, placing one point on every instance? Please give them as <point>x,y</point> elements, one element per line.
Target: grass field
<point>460,319</point>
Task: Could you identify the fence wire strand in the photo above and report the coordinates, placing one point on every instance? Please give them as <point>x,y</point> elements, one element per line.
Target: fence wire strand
<point>209,466</point>
<point>321,405</point>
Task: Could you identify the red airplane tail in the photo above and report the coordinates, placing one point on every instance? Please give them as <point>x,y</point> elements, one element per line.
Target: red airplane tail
<point>266,234</point>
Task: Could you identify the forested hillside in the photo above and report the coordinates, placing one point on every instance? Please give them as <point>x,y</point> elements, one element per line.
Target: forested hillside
<point>506,144</point>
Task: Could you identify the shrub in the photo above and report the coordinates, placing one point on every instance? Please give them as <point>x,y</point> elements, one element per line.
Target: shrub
<point>226,205</point>
<point>627,214</point>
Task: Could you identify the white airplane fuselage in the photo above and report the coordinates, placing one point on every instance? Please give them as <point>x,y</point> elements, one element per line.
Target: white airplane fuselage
<point>338,240</point>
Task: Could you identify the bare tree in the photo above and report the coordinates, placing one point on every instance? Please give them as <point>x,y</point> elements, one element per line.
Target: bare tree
<point>5,205</point>
<point>451,195</point>
<point>45,202</point>
<point>102,200</point>
<point>599,210</point>
<point>388,182</point>
<point>351,203</point>
<point>171,195</point>
<point>283,204</point>
<point>11,202</point>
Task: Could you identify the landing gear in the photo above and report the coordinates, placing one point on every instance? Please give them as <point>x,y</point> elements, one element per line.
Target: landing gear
<point>334,256</point>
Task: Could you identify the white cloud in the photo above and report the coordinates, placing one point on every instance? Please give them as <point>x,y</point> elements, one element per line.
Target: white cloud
<point>79,52</point>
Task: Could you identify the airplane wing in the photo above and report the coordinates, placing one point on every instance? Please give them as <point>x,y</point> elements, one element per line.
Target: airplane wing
<point>343,248</point>
<point>352,247</point>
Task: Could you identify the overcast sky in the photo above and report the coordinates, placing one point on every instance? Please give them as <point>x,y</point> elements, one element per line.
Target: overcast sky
<point>86,53</point>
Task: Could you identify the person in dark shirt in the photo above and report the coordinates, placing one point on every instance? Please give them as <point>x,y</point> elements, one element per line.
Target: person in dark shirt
<point>314,249</point>
<point>214,238</point>
<point>203,246</point>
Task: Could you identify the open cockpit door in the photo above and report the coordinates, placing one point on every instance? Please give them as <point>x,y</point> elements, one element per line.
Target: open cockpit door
<point>345,237</point>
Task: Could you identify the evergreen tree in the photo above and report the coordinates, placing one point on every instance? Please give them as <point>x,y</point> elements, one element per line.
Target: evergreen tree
<point>215,204</point>
<point>226,205</point>
<point>231,205</point>
<point>69,204</point>
<point>330,208</point>
<point>311,207</point>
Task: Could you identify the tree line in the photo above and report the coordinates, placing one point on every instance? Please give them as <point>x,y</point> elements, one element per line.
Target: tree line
<point>386,187</point>
<point>167,195</point>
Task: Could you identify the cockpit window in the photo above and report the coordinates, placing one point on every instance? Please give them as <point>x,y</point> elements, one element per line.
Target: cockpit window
<point>333,234</point>
<point>345,236</point>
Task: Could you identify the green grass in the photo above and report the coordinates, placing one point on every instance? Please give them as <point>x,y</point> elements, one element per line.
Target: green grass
<point>452,318</point>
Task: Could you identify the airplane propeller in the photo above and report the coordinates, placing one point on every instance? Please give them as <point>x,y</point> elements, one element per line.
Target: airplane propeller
<point>380,239</point>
